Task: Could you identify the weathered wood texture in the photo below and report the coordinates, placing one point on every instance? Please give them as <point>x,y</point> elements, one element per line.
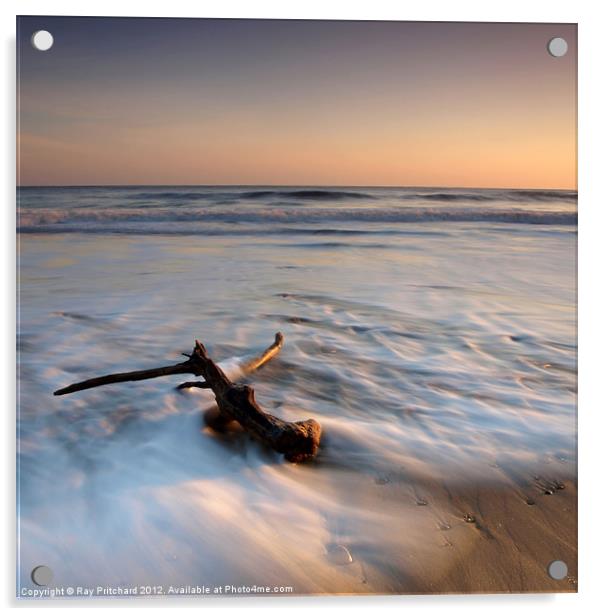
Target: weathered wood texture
<point>298,441</point>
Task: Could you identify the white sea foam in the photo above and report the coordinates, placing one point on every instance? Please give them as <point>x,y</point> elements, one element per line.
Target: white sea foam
<point>156,220</point>
<point>434,351</point>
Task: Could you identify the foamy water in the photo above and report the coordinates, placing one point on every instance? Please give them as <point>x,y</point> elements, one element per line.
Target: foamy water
<point>430,331</point>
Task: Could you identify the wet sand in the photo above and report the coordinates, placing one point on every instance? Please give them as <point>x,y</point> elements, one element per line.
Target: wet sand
<point>447,535</point>
<point>439,359</point>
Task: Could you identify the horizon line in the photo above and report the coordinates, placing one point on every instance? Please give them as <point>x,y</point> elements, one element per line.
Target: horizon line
<point>429,186</point>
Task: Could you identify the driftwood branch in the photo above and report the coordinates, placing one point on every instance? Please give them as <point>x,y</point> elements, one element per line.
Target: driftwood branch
<point>191,384</point>
<point>246,368</point>
<point>298,441</point>
<point>123,377</point>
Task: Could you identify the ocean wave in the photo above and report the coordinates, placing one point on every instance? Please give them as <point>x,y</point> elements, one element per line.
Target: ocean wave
<point>513,195</point>
<point>544,195</point>
<point>252,195</point>
<point>449,196</point>
<point>214,195</point>
<point>113,218</point>
<point>314,195</point>
<point>173,195</point>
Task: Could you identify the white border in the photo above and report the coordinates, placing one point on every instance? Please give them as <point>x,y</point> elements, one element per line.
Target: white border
<point>587,15</point>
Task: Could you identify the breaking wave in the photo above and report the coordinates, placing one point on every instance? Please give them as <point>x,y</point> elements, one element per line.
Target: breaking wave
<point>253,195</point>
<point>175,195</point>
<point>75,219</point>
<point>485,196</point>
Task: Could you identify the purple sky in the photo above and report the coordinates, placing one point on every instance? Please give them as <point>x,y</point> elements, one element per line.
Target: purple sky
<point>208,101</point>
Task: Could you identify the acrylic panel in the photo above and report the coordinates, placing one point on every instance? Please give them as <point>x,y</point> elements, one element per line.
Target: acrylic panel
<point>371,230</point>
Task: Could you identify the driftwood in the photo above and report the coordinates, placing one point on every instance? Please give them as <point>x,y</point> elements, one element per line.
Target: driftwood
<point>298,440</point>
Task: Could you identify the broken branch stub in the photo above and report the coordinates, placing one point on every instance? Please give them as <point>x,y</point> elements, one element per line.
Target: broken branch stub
<point>298,441</point>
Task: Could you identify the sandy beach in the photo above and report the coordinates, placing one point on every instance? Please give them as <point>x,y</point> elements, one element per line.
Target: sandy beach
<point>434,343</point>
<point>396,201</point>
<point>455,537</point>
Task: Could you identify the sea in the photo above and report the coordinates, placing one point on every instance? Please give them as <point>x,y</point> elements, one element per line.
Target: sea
<point>430,331</point>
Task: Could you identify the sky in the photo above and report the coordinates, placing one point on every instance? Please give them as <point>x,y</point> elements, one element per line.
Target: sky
<point>121,101</point>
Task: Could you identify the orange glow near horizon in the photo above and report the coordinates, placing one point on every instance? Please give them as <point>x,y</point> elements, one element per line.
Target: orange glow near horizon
<point>386,109</point>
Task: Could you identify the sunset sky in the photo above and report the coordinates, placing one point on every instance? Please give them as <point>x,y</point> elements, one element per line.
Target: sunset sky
<point>177,101</point>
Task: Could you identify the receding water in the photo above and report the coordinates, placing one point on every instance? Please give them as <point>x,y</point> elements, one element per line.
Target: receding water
<point>432,333</point>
